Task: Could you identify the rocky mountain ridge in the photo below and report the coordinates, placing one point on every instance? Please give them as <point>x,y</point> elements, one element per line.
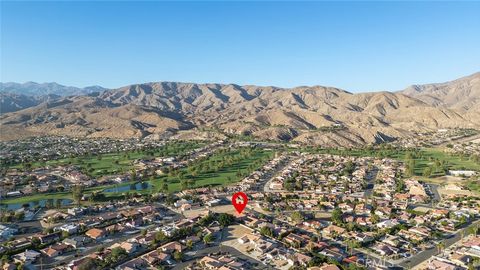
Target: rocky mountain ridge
<point>320,115</point>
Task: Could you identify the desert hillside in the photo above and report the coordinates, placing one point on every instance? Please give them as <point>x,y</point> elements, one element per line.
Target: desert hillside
<point>462,94</point>
<point>319,115</point>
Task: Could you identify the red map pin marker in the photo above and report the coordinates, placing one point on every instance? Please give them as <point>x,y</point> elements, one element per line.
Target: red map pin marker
<point>239,201</point>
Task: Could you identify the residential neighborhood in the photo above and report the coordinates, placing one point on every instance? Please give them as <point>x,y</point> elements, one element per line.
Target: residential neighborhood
<point>239,135</point>
<point>305,210</point>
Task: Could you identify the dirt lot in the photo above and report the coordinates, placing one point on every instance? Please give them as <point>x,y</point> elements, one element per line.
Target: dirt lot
<point>448,179</point>
<point>443,192</point>
<point>443,180</point>
<point>422,209</point>
<point>237,231</point>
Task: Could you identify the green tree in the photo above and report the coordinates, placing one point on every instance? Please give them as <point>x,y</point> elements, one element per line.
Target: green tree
<point>297,217</point>
<point>267,231</point>
<point>410,168</point>
<point>189,244</point>
<point>225,219</point>
<point>207,239</point>
<point>337,216</point>
<point>400,185</point>
<point>133,175</point>
<point>441,246</point>
<point>49,203</point>
<point>183,184</point>
<point>118,254</point>
<point>191,183</point>
<point>77,193</point>
<point>375,218</point>
<point>160,236</point>
<point>427,172</point>
<point>36,242</point>
<point>164,187</point>
<point>473,230</point>
<point>4,259</point>
<point>58,203</point>
<point>178,256</point>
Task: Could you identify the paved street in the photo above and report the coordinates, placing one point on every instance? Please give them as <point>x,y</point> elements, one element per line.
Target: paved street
<point>426,254</point>
<point>221,248</point>
<point>201,251</point>
<point>271,175</point>
<point>434,189</point>
<point>371,177</point>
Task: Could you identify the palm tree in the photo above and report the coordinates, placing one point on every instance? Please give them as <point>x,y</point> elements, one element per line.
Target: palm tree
<point>191,183</point>
<point>350,246</point>
<point>207,239</point>
<point>189,244</point>
<point>165,187</point>
<point>183,184</point>
<point>441,246</point>
<point>473,230</point>
<point>310,246</point>
<point>77,194</point>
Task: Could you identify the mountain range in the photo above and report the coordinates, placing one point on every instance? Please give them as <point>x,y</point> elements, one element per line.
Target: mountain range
<point>42,89</point>
<point>18,96</point>
<point>320,115</point>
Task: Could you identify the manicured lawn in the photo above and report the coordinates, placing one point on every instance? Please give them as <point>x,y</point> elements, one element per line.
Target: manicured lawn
<point>474,185</point>
<point>38,197</point>
<point>115,163</point>
<point>223,176</point>
<point>425,158</point>
<point>456,162</point>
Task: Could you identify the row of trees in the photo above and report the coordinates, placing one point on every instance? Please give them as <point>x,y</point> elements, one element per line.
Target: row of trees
<point>223,159</point>
<point>438,167</point>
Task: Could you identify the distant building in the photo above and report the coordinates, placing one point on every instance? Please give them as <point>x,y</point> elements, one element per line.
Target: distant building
<point>95,233</point>
<point>27,257</point>
<point>78,241</point>
<point>462,173</point>
<point>14,194</point>
<point>437,264</point>
<point>69,228</point>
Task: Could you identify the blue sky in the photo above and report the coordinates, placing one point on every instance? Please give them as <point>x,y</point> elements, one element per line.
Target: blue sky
<point>357,46</point>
